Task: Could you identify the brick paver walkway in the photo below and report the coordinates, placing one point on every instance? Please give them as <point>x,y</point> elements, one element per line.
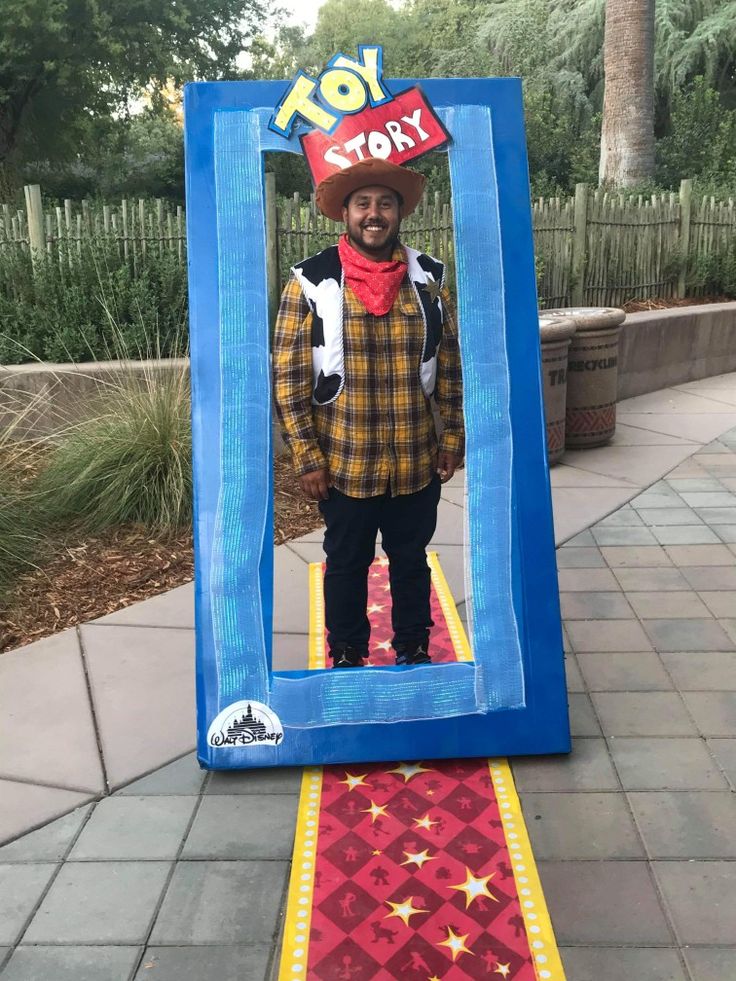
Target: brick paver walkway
<point>635,832</point>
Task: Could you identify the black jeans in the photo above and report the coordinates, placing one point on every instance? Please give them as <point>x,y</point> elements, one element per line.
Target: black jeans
<point>407,523</point>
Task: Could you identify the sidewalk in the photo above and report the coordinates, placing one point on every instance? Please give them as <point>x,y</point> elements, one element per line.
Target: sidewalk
<point>635,833</point>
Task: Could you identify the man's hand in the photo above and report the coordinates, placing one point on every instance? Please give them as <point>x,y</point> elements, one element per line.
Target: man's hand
<point>447,463</point>
<point>316,484</point>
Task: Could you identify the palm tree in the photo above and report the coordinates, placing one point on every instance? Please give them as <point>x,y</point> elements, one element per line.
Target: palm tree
<point>692,37</point>
<point>627,137</point>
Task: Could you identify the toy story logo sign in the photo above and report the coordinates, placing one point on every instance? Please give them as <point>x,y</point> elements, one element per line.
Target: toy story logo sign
<point>355,116</point>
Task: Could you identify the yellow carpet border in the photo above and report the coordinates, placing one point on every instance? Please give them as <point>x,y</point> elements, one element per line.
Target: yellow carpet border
<point>452,617</point>
<point>298,918</point>
<point>317,654</point>
<point>538,924</point>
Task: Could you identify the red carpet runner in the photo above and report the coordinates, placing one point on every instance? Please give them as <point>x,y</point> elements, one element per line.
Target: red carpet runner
<point>422,870</point>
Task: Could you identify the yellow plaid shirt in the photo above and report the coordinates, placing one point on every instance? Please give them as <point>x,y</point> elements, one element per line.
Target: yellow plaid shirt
<point>380,431</point>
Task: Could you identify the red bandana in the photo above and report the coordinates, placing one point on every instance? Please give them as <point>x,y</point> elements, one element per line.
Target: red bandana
<point>376,284</point>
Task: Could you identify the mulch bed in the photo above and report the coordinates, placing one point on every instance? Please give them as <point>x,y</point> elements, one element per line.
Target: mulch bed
<point>658,303</point>
<point>92,575</point>
<point>293,514</point>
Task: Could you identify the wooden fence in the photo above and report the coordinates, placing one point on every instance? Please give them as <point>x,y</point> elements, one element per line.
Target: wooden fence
<point>595,248</point>
<point>138,227</point>
<point>602,249</point>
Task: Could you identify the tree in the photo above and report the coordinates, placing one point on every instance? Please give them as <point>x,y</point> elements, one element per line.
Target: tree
<point>627,137</point>
<point>441,39</point>
<point>696,38</point>
<point>691,38</point>
<point>344,24</point>
<point>420,38</point>
<point>702,139</point>
<point>559,41</point>
<point>556,46</point>
<point>64,62</point>
<point>280,56</point>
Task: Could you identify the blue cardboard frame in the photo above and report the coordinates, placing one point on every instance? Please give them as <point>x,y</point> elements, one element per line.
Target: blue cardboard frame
<point>512,699</point>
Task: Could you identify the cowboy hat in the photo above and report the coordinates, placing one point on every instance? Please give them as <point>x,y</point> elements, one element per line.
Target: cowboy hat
<point>333,190</point>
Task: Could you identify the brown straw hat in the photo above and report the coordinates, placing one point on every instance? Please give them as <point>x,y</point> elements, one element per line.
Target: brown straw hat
<point>332,191</point>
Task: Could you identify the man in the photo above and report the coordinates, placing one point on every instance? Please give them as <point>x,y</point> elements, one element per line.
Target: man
<point>364,336</point>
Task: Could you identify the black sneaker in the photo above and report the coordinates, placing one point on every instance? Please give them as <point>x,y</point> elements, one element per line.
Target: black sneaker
<point>416,653</point>
<point>348,657</point>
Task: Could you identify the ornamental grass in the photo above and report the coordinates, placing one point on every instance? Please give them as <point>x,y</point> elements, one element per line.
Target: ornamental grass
<point>21,539</point>
<point>130,461</point>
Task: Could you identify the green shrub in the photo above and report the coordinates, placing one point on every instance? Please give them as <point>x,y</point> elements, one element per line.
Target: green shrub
<point>131,462</point>
<point>65,308</point>
<point>714,274</point>
<point>135,156</point>
<point>701,142</point>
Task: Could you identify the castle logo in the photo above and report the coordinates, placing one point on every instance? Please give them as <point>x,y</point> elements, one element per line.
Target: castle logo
<point>246,723</point>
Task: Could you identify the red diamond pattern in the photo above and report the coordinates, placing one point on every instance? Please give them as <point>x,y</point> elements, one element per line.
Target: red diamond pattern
<point>349,808</point>
<point>360,874</point>
<point>348,906</point>
<point>351,851</point>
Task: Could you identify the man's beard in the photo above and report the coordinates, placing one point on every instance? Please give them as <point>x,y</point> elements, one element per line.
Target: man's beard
<point>357,237</point>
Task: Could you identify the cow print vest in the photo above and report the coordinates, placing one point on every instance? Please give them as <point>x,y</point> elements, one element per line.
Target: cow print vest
<point>323,284</point>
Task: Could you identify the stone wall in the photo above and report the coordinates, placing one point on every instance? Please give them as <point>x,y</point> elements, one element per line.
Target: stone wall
<point>54,396</point>
<point>51,397</point>
<point>657,349</point>
<point>662,348</point>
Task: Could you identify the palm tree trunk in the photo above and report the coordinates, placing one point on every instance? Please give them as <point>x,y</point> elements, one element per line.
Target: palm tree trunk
<point>627,140</point>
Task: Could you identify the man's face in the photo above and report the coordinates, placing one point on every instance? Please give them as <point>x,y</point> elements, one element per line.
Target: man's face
<point>372,218</point>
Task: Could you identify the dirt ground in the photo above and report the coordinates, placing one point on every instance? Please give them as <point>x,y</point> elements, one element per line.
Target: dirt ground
<point>91,576</point>
<point>639,306</point>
